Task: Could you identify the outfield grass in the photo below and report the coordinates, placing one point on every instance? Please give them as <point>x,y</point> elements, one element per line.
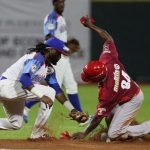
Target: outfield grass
<point>59,122</point>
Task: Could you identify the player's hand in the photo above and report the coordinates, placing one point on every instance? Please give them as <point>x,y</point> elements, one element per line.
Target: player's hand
<point>48,102</point>
<point>78,135</point>
<point>86,21</point>
<point>80,117</point>
<point>73,45</point>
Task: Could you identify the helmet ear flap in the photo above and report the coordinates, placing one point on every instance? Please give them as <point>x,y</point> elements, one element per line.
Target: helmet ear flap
<point>84,77</point>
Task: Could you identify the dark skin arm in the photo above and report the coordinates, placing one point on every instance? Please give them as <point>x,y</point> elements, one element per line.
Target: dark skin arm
<point>101,32</point>
<point>61,97</point>
<point>94,123</point>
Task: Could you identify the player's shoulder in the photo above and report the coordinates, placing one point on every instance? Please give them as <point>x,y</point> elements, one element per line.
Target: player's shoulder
<point>53,15</point>
<point>106,47</point>
<point>108,43</point>
<point>39,57</point>
<point>109,47</point>
<point>35,58</point>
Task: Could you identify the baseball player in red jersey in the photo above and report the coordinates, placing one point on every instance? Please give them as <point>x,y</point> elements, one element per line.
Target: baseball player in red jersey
<point>118,93</point>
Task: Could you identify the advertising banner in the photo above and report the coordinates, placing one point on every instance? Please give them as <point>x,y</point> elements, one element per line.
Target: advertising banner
<point>21,27</point>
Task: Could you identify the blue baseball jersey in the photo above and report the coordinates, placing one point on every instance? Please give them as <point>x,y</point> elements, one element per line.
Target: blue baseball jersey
<point>55,25</point>
<point>31,69</point>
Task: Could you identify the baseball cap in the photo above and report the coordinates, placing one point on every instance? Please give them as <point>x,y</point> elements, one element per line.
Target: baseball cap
<point>57,44</point>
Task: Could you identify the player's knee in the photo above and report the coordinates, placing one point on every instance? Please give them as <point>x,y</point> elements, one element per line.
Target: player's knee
<point>16,122</point>
<point>118,132</point>
<point>50,92</point>
<point>113,133</point>
<point>117,135</point>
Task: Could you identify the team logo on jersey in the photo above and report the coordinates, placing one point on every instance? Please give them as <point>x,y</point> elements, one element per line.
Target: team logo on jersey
<point>116,77</point>
<point>51,26</point>
<point>100,111</point>
<point>33,68</point>
<point>106,49</point>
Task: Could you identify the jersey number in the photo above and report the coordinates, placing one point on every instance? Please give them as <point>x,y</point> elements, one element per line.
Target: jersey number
<point>125,84</point>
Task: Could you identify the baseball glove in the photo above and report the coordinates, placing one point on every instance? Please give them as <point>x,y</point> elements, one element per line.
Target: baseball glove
<point>80,117</point>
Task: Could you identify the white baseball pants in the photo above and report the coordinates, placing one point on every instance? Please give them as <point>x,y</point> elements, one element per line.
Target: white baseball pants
<point>64,75</point>
<point>124,115</point>
<point>13,96</point>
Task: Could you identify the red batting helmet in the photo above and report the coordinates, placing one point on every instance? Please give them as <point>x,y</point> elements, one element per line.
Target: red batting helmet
<point>94,71</point>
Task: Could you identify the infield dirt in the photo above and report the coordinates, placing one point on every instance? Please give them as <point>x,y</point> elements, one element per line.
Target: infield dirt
<point>75,145</point>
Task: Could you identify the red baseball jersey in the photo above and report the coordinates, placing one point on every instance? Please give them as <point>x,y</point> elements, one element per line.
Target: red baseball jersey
<point>118,87</point>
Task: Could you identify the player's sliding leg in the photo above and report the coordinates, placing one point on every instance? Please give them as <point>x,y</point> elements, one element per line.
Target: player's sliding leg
<point>124,115</point>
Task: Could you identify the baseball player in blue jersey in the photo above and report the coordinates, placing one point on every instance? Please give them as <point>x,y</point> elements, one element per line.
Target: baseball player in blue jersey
<point>33,77</point>
<point>55,25</point>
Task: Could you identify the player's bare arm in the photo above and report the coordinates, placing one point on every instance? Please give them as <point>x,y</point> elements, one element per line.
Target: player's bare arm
<point>61,97</point>
<point>94,123</point>
<point>88,22</point>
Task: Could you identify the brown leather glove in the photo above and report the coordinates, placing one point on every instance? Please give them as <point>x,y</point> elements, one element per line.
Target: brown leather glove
<point>80,117</point>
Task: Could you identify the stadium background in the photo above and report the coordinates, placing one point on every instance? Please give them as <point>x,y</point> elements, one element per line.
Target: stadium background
<point>21,27</point>
<point>128,21</point>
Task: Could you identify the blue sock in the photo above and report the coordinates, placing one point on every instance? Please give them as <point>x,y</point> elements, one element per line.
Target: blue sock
<point>29,104</point>
<point>74,99</point>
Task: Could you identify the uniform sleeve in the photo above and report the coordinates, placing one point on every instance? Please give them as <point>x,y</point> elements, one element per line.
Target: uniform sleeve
<point>109,52</point>
<point>31,66</point>
<point>107,96</point>
<point>52,82</point>
<point>104,108</point>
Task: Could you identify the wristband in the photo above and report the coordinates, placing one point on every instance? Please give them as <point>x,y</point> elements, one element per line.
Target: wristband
<point>37,92</point>
<point>68,105</point>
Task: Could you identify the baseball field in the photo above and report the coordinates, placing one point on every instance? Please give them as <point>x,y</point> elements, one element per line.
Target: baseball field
<point>59,122</point>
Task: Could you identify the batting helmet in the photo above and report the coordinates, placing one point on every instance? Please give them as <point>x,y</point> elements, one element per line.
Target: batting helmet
<point>94,71</point>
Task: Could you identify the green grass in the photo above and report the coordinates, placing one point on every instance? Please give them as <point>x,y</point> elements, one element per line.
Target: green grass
<point>59,121</point>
